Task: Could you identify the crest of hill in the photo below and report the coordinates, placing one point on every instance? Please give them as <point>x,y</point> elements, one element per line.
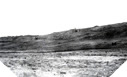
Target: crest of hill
<point>97,37</point>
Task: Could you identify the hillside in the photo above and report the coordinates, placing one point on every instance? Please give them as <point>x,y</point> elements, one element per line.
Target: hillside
<point>97,37</point>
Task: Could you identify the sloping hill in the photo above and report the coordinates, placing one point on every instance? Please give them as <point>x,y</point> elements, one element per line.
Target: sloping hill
<point>98,37</point>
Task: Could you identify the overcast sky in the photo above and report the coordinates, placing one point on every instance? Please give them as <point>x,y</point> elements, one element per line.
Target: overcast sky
<point>39,17</point>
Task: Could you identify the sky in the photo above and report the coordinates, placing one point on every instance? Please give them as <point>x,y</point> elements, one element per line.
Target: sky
<point>40,17</point>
